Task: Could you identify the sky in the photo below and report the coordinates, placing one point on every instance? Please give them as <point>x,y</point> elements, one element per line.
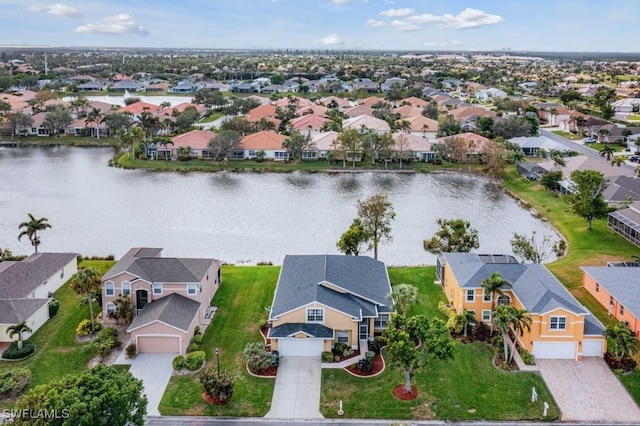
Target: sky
<point>403,25</point>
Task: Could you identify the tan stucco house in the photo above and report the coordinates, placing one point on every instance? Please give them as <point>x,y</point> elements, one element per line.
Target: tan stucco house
<point>170,296</point>
<point>321,300</point>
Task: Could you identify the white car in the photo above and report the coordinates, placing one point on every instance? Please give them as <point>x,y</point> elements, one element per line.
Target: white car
<point>588,140</point>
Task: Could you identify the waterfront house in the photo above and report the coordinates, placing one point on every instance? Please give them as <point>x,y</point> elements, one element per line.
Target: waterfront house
<point>311,124</point>
<point>269,142</point>
<point>324,143</point>
<point>412,146</point>
<point>365,124</point>
<point>423,126</point>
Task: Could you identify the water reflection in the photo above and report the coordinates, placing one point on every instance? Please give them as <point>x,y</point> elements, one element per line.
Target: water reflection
<point>349,183</point>
<point>225,180</point>
<point>299,180</point>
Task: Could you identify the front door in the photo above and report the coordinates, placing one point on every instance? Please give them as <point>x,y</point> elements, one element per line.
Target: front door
<point>364,330</point>
<point>142,298</point>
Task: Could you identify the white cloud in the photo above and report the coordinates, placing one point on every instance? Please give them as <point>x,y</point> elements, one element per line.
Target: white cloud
<point>425,18</point>
<point>35,8</point>
<point>451,43</point>
<point>397,13</point>
<point>376,24</point>
<point>404,26</point>
<point>122,23</point>
<point>468,18</point>
<point>64,10</point>
<point>331,40</point>
<point>341,1</point>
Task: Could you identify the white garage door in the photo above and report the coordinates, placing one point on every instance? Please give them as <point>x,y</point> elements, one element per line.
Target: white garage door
<point>554,350</point>
<point>300,347</point>
<point>591,347</point>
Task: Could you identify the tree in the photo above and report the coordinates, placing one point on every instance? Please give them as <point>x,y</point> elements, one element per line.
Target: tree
<point>224,143</point>
<point>494,286</point>
<point>31,227</point>
<point>618,160</point>
<point>186,118</point>
<point>570,97</point>
<point>607,152</point>
<point>468,318</point>
<point>455,235</point>
<point>622,341</point>
<point>501,319</point>
<point>349,143</point>
<point>57,120</point>
<point>354,240</point>
<point>149,122</point>
<point>297,144</point>
<point>95,116</point>
<point>404,295</point>
<point>376,214</point>
<point>84,283</point>
<point>551,180</point>
<point>99,396</point>
<point>511,127</point>
<point>558,162</point>
<point>116,121</point>
<point>521,320</point>
<point>18,329</point>
<point>530,248</point>
<point>586,198</point>
<point>19,121</point>
<point>401,335</point>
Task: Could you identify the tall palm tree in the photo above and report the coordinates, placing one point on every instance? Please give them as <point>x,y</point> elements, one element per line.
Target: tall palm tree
<point>84,283</point>
<point>468,318</point>
<point>502,318</point>
<point>18,329</point>
<point>580,122</point>
<point>31,228</point>
<point>559,162</point>
<point>494,285</point>
<point>607,152</point>
<point>95,116</point>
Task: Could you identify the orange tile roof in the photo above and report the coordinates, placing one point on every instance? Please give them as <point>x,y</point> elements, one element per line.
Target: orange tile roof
<point>263,141</point>
<point>418,123</point>
<point>414,102</point>
<point>371,101</point>
<point>407,111</point>
<point>302,102</point>
<point>262,111</point>
<point>308,121</point>
<point>138,107</point>
<point>312,109</point>
<point>196,139</point>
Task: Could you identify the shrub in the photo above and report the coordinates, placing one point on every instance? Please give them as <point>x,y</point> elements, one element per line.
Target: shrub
<point>339,348</point>
<point>178,362</point>
<point>257,356</point>
<point>13,382</point>
<point>527,357</point>
<point>104,349</point>
<point>28,347</point>
<point>275,355</point>
<point>194,360</point>
<point>625,365</point>
<point>446,309</point>
<point>347,352</point>
<point>109,333</point>
<point>130,351</point>
<point>327,356</point>
<point>375,346</point>
<point>219,386</point>
<point>197,339</point>
<point>369,355</point>
<point>365,365</point>
<point>84,328</point>
<point>54,307</point>
<point>193,347</point>
<point>196,331</point>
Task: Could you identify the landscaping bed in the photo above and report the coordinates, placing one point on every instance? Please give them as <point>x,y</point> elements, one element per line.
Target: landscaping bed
<point>377,368</point>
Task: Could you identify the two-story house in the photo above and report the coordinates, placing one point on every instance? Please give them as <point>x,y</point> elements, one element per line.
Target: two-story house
<point>170,296</point>
<point>561,328</point>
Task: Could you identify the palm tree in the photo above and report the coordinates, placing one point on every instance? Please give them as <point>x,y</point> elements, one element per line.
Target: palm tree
<point>618,160</point>
<point>623,342</point>
<point>404,295</point>
<point>95,116</point>
<point>494,286</point>
<point>558,162</point>
<point>31,228</point>
<point>502,319</point>
<point>580,122</point>
<point>84,283</point>
<point>604,133</point>
<point>542,153</point>
<point>468,318</point>
<point>607,152</point>
<point>18,329</point>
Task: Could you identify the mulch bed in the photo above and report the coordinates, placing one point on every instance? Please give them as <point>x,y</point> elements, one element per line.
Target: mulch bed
<point>214,400</point>
<point>400,393</point>
<point>498,361</point>
<point>354,353</point>
<point>271,371</point>
<point>264,330</point>
<point>377,367</point>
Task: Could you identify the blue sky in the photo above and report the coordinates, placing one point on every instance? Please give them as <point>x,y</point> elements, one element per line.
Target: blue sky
<point>533,25</point>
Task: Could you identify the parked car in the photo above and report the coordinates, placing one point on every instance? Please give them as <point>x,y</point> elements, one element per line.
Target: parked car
<point>589,140</point>
<point>634,158</point>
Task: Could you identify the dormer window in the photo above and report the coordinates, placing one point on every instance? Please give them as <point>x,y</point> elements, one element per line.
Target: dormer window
<point>192,288</point>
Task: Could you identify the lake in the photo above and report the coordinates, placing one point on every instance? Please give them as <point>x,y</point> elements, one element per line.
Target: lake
<point>241,218</point>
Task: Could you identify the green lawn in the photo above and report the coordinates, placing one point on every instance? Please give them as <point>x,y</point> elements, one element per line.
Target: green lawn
<point>599,146</point>
<point>241,299</point>
<point>211,117</point>
<point>568,135</point>
<point>67,140</point>
<point>57,352</point>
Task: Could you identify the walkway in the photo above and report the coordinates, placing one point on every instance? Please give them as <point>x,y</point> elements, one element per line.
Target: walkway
<point>297,390</point>
<point>155,371</point>
<point>588,391</point>
<point>364,344</point>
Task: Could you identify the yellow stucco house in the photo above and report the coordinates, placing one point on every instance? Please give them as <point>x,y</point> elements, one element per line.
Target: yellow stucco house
<point>561,328</point>
<point>324,299</point>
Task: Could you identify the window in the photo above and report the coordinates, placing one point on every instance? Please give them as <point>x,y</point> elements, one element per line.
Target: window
<point>471,294</point>
<point>252,153</point>
<point>381,321</point>
<point>343,336</point>
<point>486,315</point>
<point>280,155</point>
<point>558,323</point>
<point>621,310</point>
<point>108,288</point>
<point>157,288</point>
<point>486,296</point>
<point>111,308</point>
<point>192,288</point>
<point>611,302</point>
<point>315,315</point>
<point>126,288</point>
<point>504,300</point>
<point>597,288</point>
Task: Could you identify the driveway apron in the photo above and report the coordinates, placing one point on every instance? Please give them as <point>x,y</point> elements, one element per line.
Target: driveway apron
<point>588,391</point>
<point>155,371</point>
<point>297,390</point>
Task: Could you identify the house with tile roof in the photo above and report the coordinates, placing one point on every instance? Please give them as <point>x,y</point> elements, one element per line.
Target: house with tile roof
<point>365,123</point>
<point>321,300</point>
<point>408,145</point>
<point>423,126</point>
<point>169,296</point>
<point>616,288</point>
<point>196,140</point>
<point>324,143</point>
<point>26,288</point>
<point>309,123</point>
<point>269,142</point>
<point>561,328</point>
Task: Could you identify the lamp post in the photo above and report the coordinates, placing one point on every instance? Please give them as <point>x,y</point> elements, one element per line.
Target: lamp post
<point>218,360</point>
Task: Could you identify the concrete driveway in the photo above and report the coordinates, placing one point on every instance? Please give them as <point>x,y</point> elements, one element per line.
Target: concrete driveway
<point>588,391</point>
<point>297,391</point>
<point>155,371</point>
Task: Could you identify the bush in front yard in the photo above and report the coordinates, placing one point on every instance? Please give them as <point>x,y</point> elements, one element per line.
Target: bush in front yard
<point>84,328</point>
<point>131,350</point>
<point>13,382</point>
<point>178,362</point>
<point>327,356</point>
<point>197,339</point>
<point>218,386</point>
<point>54,307</point>
<point>28,347</point>
<point>258,357</point>
<point>194,360</point>
<point>193,347</point>
<point>365,365</point>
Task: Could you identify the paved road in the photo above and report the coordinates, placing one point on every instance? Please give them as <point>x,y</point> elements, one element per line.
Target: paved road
<point>297,391</point>
<point>570,144</point>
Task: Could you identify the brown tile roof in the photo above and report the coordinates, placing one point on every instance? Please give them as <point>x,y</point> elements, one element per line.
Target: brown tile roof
<point>342,102</point>
<point>407,111</point>
<point>262,111</point>
<point>308,121</point>
<point>302,102</point>
<point>371,101</point>
<point>418,123</point>
<point>196,139</point>
<point>138,107</point>
<point>414,102</point>
<point>263,141</point>
<point>359,110</point>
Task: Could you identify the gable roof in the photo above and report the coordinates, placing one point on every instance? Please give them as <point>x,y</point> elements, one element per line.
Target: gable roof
<point>174,310</point>
<point>370,123</point>
<point>407,111</point>
<point>419,121</point>
<point>621,283</point>
<point>621,188</point>
<point>324,141</point>
<point>14,311</point>
<point>358,110</point>
<point>293,328</point>
<point>263,140</point>
<point>262,111</point>
<point>308,121</point>
<point>19,279</point>
<point>342,102</point>
<point>414,102</point>
<point>306,279</point>
<point>198,139</point>
<point>137,108</point>
<point>409,142</point>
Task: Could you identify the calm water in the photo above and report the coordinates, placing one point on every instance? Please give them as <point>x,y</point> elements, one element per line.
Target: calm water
<point>239,218</point>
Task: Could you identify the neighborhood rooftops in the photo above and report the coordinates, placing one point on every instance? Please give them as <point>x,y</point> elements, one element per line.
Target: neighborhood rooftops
<point>621,283</point>
<point>19,279</point>
<point>14,311</point>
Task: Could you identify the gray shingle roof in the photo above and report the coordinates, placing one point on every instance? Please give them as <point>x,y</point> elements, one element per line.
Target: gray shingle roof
<point>592,327</point>
<point>13,311</point>
<point>364,279</point>
<point>174,309</point>
<point>621,283</point>
<point>147,264</point>
<point>18,279</point>
<point>292,328</point>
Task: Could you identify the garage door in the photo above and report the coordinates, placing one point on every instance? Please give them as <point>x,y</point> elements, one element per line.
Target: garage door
<point>592,347</point>
<point>159,344</point>
<point>554,350</point>
<point>300,347</point>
